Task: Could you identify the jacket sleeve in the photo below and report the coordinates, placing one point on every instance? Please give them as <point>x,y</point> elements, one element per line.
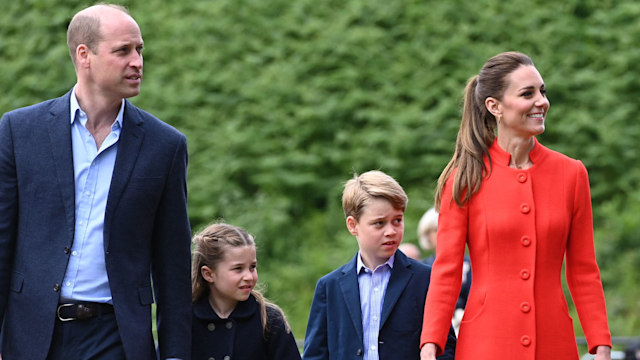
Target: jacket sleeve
<point>8,209</point>
<point>171,261</point>
<point>316,341</point>
<point>582,272</point>
<point>281,343</point>
<point>446,274</point>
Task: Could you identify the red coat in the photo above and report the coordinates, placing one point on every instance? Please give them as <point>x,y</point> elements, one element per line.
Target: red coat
<point>519,227</point>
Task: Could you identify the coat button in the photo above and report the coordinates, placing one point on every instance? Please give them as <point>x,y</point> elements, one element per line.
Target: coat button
<point>522,177</point>
<point>525,307</point>
<point>524,208</point>
<point>211,326</point>
<point>359,352</point>
<point>525,241</point>
<point>229,325</point>
<point>212,358</point>
<point>525,340</point>
<point>227,357</point>
<point>525,274</point>
<point>67,250</point>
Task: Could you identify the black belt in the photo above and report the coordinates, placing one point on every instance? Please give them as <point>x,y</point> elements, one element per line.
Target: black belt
<point>82,310</point>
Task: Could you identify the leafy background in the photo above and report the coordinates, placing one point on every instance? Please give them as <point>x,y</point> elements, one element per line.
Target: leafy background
<point>282,101</point>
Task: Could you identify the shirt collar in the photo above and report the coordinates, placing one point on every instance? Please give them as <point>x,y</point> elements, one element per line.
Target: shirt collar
<point>360,264</point>
<point>75,106</point>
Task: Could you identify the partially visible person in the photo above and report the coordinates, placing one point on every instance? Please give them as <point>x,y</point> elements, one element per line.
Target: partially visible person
<point>94,224</point>
<point>427,235</point>
<point>370,308</point>
<point>411,250</point>
<point>522,210</point>
<point>427,231</point>
<point>632,352</point>
<point>231,319</point>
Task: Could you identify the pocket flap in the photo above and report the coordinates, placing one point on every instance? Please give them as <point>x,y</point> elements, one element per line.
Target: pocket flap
<point>146,295</point>
<point>17,280</point>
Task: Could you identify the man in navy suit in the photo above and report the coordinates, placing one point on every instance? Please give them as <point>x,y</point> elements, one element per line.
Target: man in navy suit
<point>93,212</point>
<point>371,308</point>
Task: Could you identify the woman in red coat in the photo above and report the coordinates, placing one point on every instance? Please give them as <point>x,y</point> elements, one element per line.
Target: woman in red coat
<point>521,208</point>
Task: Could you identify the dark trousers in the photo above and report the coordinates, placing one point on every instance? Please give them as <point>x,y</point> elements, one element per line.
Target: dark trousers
<point>93,339</point>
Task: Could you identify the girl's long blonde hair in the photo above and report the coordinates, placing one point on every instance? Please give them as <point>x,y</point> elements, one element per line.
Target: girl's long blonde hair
<point>478,126</point>
<point>210,247</point>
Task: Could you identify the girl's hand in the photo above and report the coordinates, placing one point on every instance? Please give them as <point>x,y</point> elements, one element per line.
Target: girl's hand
<point>602,353</point>
<point>428,352</point>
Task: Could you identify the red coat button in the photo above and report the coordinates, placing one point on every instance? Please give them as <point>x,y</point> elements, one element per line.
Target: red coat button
<point>522,177</point>
<point>524,208</point>
<point>525,307</point>
<point>525,274</point>
<point>525,241</point>
<point>525,340</point>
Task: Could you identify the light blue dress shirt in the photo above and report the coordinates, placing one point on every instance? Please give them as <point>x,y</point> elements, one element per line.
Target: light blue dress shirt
<point>86,275</point>
<point>373,286</point>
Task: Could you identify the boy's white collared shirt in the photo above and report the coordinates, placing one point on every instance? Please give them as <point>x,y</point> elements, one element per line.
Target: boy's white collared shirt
<point>373,286</point>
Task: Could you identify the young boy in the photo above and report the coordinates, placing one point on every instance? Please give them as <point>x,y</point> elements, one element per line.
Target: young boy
<point>371,307</point>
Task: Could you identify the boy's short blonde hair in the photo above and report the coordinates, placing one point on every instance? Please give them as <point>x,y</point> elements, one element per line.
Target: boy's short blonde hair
<point>374,184</point>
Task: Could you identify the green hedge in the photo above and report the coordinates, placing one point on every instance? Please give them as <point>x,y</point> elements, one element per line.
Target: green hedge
<point>283,100</point>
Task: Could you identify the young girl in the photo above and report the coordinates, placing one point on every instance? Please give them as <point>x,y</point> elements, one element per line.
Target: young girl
<point>232,320</point>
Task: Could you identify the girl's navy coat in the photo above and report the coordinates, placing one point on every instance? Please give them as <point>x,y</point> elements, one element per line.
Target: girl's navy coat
<point>240,337</point>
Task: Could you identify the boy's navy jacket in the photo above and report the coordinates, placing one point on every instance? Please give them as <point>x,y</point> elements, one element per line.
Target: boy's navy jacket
<point>335,327</point>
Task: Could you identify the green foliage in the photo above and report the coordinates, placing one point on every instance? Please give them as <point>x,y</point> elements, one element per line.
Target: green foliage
<point>283,100</point>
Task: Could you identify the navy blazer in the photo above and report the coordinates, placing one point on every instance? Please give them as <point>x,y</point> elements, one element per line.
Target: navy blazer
<point>334,330</point>
<point>146,230</point>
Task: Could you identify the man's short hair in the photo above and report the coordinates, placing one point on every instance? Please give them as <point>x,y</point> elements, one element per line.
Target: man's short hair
<point>84,28</point>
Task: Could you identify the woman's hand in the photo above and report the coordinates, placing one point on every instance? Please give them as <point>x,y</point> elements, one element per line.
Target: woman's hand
<point>428,352</point>
<point>602,353</point>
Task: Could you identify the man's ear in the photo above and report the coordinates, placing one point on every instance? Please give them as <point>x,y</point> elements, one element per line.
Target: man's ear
<point>352,225</point>
<point>82,55</point>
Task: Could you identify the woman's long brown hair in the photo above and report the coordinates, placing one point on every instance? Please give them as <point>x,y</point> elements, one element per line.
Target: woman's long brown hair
<point>477,128</point>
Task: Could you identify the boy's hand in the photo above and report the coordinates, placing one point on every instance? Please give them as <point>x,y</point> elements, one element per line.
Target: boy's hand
<point>428,352</point>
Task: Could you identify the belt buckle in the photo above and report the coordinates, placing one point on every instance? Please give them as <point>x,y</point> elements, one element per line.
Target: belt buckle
<point>58,312</point>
